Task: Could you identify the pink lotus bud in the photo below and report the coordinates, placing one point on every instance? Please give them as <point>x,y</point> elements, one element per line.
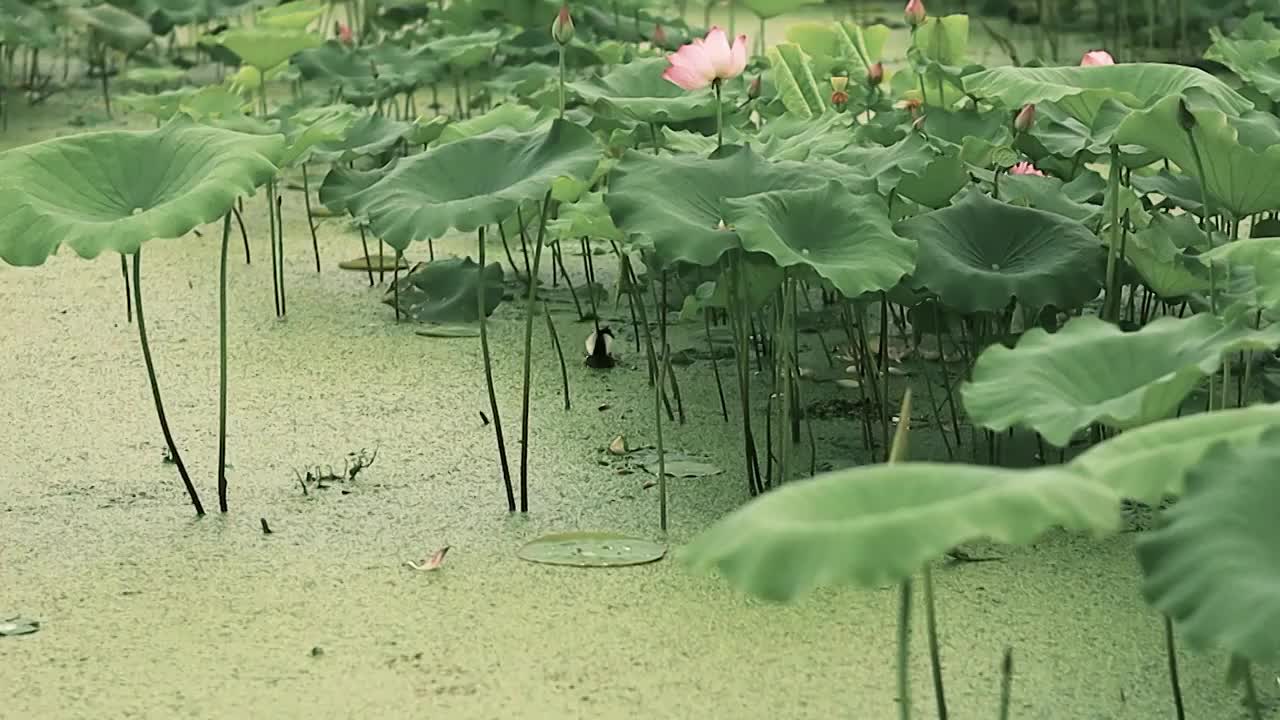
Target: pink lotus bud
<point>875,75</point>
<point>562,28</point>
<point>345,36</point>
<point>659,36</point>
<point>839,98</point>
<point>1097,57</point>
<point>1025,118</point>
<point>1025,168</point>
<point>753,90</point>
<point>915,13</point>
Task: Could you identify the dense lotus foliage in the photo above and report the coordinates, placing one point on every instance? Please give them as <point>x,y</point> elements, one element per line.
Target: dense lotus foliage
<point>1082,253</point>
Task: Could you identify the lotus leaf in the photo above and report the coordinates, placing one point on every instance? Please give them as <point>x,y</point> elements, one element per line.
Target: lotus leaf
<point>1082,91</point>
<point>264,48</point>
<point>1241,156</point>
<point>1212,566</point>
<point>889,166</point>
<point>637,91</point>
<point>444,291</point>
<point>370,135</point>
<point>1091,371</point>
<point>791,70</point>
<point>116,190</point>
<point>791,138</point>
<point>465,184</point>
<point>874,525</point>
<point>841,43</point>
<point>979,253</point>
<point>843,237</point>
<point>1257,61</point>
<point>676,203</point>
<point>116,28</point>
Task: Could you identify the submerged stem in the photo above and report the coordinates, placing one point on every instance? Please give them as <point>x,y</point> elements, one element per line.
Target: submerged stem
<point>155,385</point>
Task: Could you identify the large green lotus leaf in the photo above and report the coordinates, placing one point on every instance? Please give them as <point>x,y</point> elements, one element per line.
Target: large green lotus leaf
<point>264,48</point>
<point>334,62</point>
<point>1150,462</point>
<point>1256,61</point>
<point>1082,91</point>
<point>1049,194</point>
<point>464,52</point>
<point>509,116</point>
<point>958,128</point>
<point>465,184</point>
<point>212,103</point>
<point>588,217</point>
<point>944,40</point>
<point>1241,157</point>
<point>371,135</point>
<point>841,43</point>
<point>1176,190</point>
<point>889,166</point>
<point>1091,371</point>
<point>791,138</point>
<point>874,525</point>
<point>766,9</point>
<point>636,91</point>
<point>161,105</point>
<point>116,27</point>
<point>177,12</point>
<point>676,202</point>
<point>444,291</point>
<point>791,70</point>
<point>296,15</point>
<point>980,253</point>
<point>1159,255</point>
<point>945,175</point>
<point>843,237</point>
<point>116,190</point>
<point>1213,566</point>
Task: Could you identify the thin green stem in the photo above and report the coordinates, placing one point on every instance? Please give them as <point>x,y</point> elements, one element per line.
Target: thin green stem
<point>311,223</point>
<point>222,365</point>
<point>561,82</point>
<point>155,385</point>
<point>935,656</point>
<point>488,375</point>
<point>1204,186</point>
<point>1171,651</point>
<point>659,390</point>
<point>1111,308</point>
<point>904,649</point>
<point>719,116</point>
<point>528,355</point>
<point>1006,683</point>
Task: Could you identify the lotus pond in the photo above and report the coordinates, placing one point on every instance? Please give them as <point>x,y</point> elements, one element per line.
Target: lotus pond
<point>759,359</point>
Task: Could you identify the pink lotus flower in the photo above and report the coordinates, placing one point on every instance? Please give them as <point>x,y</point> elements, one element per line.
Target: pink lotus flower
<point>875,74</point>
<point>345,36</point>
<point>1025,168</point>
<point>1097,57</point>
<point>914,14</point>
<point>705,61</point>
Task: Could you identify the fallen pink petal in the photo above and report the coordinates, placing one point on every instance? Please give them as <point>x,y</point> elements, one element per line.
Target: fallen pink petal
<point>431,563</point>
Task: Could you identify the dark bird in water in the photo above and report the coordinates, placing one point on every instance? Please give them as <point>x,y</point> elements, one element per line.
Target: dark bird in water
<point>600,349</point>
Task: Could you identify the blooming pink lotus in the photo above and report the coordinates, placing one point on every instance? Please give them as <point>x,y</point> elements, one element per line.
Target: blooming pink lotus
<point>707,60</point>
<point>1097,57</point>
<point>1025,168</point>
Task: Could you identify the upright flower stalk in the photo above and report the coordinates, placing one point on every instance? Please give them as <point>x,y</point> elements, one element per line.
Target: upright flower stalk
<point>562,33</point>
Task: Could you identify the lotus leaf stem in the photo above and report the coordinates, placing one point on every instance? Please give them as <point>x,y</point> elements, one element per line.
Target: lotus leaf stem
<point>555,342</point>
<point>1006,683</point>
<point>657,413</point>
<point>488,375</point>
<point>155,386</point>
<point>528,354</point>
<point>222,365</point>
<point>311,223</point>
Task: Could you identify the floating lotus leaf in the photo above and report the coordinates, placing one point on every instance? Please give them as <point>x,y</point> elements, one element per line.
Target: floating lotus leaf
<point>1082,91</point>
<point>116,190</point>
<point>1213,566</point>
<point>676,203</point>
<point>117,28</point>
<point>1150,462</point>
<point>370,135</point>
<point>465,184</point>
<point>874,525</point>
<point>444,291</point>
<point>1241,156</point>
<point>264,48</point>
<point>979,253</point>
<point>637,91</point>
<point>591,549</point>
<point>843,237</point>
<point>1092,371</point>
<point>791,70</point>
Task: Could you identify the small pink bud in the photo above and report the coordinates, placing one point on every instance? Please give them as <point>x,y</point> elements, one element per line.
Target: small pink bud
<point>562,28</point>
<point>345,36</point>
<point>753,90</point>
<point>1097,57</point>
<point>839,98</point>
<point>875,75</point>
<point>1025,118</point>
<point>659,36</point>
<point>914,13</point>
